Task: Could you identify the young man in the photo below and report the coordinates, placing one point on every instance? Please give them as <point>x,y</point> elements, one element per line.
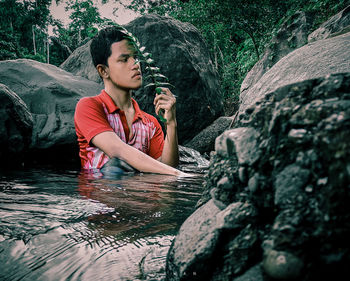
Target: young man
<point>111,124</point>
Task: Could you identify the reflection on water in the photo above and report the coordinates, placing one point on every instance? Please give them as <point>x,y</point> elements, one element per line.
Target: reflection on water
<point>67,225</point>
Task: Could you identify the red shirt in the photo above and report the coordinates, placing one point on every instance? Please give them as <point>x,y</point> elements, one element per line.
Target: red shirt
<point>94,115</point>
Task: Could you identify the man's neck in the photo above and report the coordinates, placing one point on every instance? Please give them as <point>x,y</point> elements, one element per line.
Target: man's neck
<point>120,97</point>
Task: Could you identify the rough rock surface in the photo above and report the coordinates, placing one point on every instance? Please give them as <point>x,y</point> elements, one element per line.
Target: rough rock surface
<point>79,63</point>
<point>313,60</point>
<point>182,55</point>
<point>16,124</point>
<point>339,23</point>
<point>292,34</point>
<point>50,94</point>
<point>286,164</point>
<point>204,142</point>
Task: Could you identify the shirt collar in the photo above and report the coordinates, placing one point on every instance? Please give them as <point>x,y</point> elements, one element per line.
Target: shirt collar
<point>112,107</point>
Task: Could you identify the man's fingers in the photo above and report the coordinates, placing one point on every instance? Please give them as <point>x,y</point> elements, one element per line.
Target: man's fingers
<point>162,105</point>
<point>164,97</point>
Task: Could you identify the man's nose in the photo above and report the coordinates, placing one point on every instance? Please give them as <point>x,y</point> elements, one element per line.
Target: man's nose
<point>135,63</point>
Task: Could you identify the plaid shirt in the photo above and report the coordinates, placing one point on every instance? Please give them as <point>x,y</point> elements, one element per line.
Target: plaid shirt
<point>94,115</point>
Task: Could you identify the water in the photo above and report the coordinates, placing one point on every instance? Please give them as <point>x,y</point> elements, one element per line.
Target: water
<point>66,225</point>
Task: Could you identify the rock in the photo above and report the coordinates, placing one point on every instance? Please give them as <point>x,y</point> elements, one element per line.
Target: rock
<point>182,55</point>
<point>313,60</point>
<point>297,188</point>
<point>204,142</point>
<point>191,160</point>
<point>80,63</point>
<point>253,274</point>
<point>191,254</point>
<point>16,124</point>
<point>187,248</point>
<point>291,35</point>
<point>336,25</point>
<point>50,95</point>
<point>282,265</point>
<point>307,138</point>
<point>241,142</point>
<point>289,184</point>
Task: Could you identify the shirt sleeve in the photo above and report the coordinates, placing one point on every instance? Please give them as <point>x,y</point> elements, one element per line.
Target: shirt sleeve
<point>157,141</point>
<point>90,118</point>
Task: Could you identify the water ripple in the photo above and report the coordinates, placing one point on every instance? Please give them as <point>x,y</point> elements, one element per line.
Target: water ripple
<point>65,226</point>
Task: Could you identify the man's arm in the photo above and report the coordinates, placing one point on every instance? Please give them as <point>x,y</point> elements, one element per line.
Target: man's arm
<point>167,101</point>
<point>114,147</point>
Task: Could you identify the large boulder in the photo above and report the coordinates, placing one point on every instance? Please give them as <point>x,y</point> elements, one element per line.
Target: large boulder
<point>16,124</point>
<point>80,64</point>
<point>313,60</point>
<point>182,55</point>
<point>50,95</point>
<point>204,141</point>
<point>292,34</point>
<point>339,23</point>
<point>276,199</point>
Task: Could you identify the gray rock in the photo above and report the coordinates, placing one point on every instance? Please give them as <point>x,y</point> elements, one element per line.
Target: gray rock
<point>190,256</point>
<point>80,64</point>
<point>291,35</point>
<point>313,60</point>
<point>297,185</point>
<point>338,24</point>
<point>253,183</point>
<point>182,55</point>
<point>191,160</point>
<point>204,142</point>
<point>282,265</point>
<point>16,124</point>
<point>50,94</point>
<point>191,245</point>
<point>255,273</point>
<point>289,184</point>
<point>241,142</point>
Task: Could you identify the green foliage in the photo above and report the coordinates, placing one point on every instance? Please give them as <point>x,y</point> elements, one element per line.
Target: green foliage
<point>85,21</point>
<point>8,46</point>
<point>25,24</point>
<point>246,57</point>
<point>37,57</point>
<point>24,29</point>
<point>237,32</point>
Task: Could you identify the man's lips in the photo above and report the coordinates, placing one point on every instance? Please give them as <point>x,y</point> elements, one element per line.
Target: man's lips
<point>136,74</point>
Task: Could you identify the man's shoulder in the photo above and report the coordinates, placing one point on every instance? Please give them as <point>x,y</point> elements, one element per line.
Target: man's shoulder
<point>89,101</point>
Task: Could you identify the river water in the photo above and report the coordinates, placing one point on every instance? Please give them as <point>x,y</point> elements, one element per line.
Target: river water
<point>67,225</point>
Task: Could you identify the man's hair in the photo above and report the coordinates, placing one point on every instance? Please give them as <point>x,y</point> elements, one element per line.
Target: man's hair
<point>100,47</point>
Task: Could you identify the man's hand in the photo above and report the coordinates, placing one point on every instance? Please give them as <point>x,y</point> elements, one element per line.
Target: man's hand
<point>166,101</point>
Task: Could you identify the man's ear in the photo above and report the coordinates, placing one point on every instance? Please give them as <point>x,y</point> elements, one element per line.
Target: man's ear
<point>103,71</point>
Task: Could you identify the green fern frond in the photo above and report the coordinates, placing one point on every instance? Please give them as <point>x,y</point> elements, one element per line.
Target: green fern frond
<point>145,57</point>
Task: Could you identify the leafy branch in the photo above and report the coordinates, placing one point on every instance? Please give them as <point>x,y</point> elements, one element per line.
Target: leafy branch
<point>155,78</point>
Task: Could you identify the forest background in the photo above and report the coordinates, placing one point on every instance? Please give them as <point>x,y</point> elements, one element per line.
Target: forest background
<point>236,31</point>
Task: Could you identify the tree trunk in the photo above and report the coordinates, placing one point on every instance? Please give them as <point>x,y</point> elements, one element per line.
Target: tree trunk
<point>34,47</point>
<point>48,51</point>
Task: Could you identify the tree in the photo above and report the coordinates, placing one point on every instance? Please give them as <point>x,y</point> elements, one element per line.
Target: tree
<point>85,20</point>
<point>24,23</point>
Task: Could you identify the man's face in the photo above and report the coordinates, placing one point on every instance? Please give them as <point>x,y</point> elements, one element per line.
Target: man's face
<point>123,71</point>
